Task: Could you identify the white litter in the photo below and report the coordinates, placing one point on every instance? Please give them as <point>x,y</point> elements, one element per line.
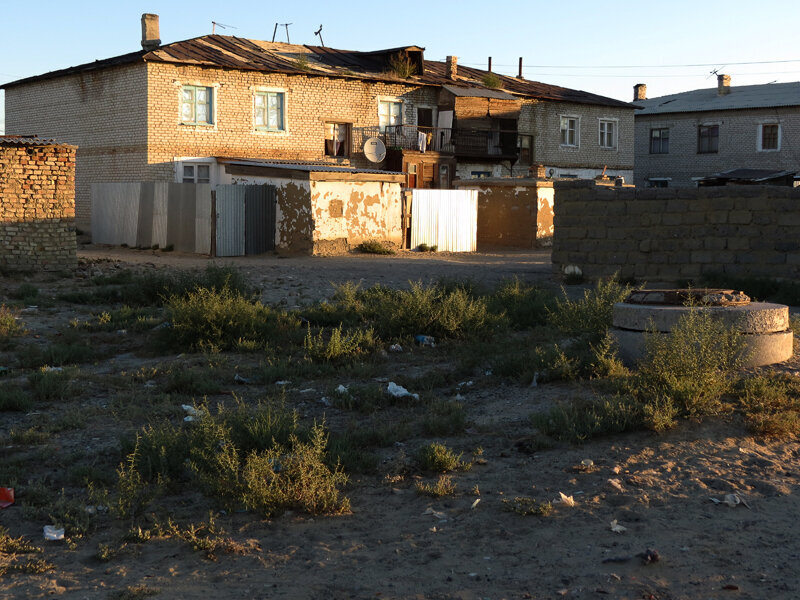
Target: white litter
<point>282,382</point>
<point>436,514</point>
<point>342,389</point>
<point>52,534</point>
<point>616,484</point>
<point>398,391</point>
<point>325,402</point>
<point>617,528</point>
<point>564,499</point>
<point>474,504</point>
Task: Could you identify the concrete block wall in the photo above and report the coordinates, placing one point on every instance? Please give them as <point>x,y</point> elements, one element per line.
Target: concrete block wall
<point>37,207</point>
<point>738,134</point>
<point>675,235</point>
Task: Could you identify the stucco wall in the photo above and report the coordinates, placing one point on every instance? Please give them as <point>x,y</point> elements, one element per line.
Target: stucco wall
<point>348,213</point>
<point>513,212</point>
<point>37,207</point>
<point>676,235</point>
<point>738,131</point>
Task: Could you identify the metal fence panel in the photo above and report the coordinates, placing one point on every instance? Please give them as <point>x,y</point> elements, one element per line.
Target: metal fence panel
<point>202,219</point>
<point>230,220</point>
<point>259,227</point>
<point>447,219</point>
<point>115,213</point>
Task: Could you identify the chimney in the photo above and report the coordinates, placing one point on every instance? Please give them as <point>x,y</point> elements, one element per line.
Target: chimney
<point>723,85</point>
<point>490,65</point>
<point>451,70</point>
<point>639,92</point>
<point>150,39</point>
<point>519,76</point>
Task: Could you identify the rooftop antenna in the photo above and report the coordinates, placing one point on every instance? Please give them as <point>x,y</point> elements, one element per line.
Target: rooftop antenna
<point>274,31</point>
<point>286,25</point>
<point>214,26</point>
<point>716,71</point>
<point>319,33</point>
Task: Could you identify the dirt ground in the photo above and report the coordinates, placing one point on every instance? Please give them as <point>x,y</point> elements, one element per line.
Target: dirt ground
<point>399,544</point>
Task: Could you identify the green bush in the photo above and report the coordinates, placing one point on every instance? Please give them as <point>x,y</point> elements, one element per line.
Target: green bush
<point>691,367</point>
<point>339,347</point>
<point>581,420</point>
<point>524,305</point>
<point>211,319</point>
<point>13,398</point>
<point>374,247</point>
<point>590,316</point>
<point>438,458</point>
<point>10,325</point>
<point>771,404</point>
<point>50,385</point>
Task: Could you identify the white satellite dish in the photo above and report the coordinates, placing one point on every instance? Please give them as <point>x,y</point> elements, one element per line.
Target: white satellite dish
<point>374,150</point>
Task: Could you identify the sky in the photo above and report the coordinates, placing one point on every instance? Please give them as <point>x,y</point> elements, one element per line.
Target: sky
<point>600,47</point>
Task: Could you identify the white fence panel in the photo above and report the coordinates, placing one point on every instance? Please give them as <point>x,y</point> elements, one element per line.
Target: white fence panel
<point>447,219</point>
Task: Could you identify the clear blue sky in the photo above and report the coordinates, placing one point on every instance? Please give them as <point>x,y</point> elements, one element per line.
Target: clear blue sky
<point>601,47</point>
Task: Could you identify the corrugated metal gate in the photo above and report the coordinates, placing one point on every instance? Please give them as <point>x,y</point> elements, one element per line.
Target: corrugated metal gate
<point>447,219</point>
<point>245,219</point>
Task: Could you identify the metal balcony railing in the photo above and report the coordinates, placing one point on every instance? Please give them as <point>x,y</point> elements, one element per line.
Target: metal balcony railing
<point>460,142</point>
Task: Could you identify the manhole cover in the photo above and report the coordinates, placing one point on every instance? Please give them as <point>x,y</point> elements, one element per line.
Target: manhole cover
<point>681,297</point>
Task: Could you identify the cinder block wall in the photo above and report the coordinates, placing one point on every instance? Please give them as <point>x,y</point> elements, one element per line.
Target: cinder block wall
<point>37,207</point>
<point>669,235</point>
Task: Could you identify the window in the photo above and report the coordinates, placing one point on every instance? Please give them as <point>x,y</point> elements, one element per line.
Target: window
<point>608,134</point>
<point>444,177</point>
<point>389,113</point>
<point>337,139</point>
<point>480,174</point>
<point>196,105</point>
<point>707,139</point>
<point>196,174</point>
<point>659,141</point>
<point>269,111</point>
<point>524,144</point>
<point>769,136</point>
<point>658,182</point>
<point>569,131</point>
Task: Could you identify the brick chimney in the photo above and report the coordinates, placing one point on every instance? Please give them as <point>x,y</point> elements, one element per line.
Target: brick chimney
<point>639,92</point>
<point>723,85</point>
<point>150,38</point>
<point>451,69</point>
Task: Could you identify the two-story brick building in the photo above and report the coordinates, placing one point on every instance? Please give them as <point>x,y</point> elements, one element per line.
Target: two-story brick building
<point>172,112</point>
<point>686,137</point>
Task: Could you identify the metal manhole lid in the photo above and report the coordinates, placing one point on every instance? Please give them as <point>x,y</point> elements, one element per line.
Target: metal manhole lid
<point>680,297</point>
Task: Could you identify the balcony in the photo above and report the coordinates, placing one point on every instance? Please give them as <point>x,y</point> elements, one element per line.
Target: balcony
<point>493,144</point>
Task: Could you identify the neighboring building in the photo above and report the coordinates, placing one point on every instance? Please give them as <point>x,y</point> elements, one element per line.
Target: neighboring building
<point>687,137</point>
<point>168,113</point>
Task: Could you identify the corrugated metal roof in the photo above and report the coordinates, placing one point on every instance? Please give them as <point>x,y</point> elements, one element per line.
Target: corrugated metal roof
<point>275,57</point>
<point>305,167</point>
<point>27,140</point>
<point>472,92</point>
<point>770,95</point>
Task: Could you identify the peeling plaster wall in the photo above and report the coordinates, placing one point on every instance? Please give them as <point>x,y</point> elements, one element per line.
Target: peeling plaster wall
<point>347,213</point>
<point>513,212</point>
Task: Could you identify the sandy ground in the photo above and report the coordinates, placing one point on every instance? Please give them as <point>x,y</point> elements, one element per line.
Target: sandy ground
<point>398,544</point>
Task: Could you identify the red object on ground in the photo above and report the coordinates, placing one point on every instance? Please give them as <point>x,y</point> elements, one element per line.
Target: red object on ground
<point>6,497</point>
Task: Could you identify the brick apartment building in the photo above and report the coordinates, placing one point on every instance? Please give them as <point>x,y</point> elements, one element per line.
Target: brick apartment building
<point>691,136</point>
<point>171,112</point>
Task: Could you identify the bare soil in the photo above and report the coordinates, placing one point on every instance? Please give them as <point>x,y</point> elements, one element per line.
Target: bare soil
<point>397,543</point>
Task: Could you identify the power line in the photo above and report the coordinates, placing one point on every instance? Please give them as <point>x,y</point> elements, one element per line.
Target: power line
<point>760,62</point>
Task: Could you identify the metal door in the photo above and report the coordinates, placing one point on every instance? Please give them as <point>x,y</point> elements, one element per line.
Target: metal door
<point>259,220</point>
<point>230,214</point>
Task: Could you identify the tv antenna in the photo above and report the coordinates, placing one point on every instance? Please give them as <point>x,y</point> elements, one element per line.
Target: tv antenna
<point>319,33</point>
<point>716,71</point>
<point>214,26</point>
<point>286,25</point>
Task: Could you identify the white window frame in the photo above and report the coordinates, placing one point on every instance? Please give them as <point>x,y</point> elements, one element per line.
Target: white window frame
<point>212,104</point>
<point>265,91</point>
<point>760,136</point>
<point>389,100</point>
<point>602,136</point>
<point>562,119</point>
<point>183,163</point>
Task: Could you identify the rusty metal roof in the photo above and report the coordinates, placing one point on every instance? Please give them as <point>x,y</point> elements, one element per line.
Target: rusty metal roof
<point>230,52</point>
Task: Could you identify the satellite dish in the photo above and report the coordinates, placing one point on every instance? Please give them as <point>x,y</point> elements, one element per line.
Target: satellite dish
<point>374,150</point>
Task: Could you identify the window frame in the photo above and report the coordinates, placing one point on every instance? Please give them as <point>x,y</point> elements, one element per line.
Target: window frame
<point>700,137</point>
<point>348,138</point>
<point>266,93</point>
<point>564,141</point>
<point>195,164</point>
<point>760,136</point>
<point>614,123</point>
<point>389,101</point>
<point>210,105</point>
<point>661,139</point>
<point>529,148</point>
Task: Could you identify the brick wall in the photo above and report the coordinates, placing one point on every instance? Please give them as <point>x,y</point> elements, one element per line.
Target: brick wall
<point>738,131</point>
<point>674,235</point>
<point>37,207</point>
<point>101,112</point>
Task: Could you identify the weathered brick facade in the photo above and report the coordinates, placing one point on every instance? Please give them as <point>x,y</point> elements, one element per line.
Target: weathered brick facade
<point>677,234</point>
<point>738,144</point>
<point>37,206</point>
